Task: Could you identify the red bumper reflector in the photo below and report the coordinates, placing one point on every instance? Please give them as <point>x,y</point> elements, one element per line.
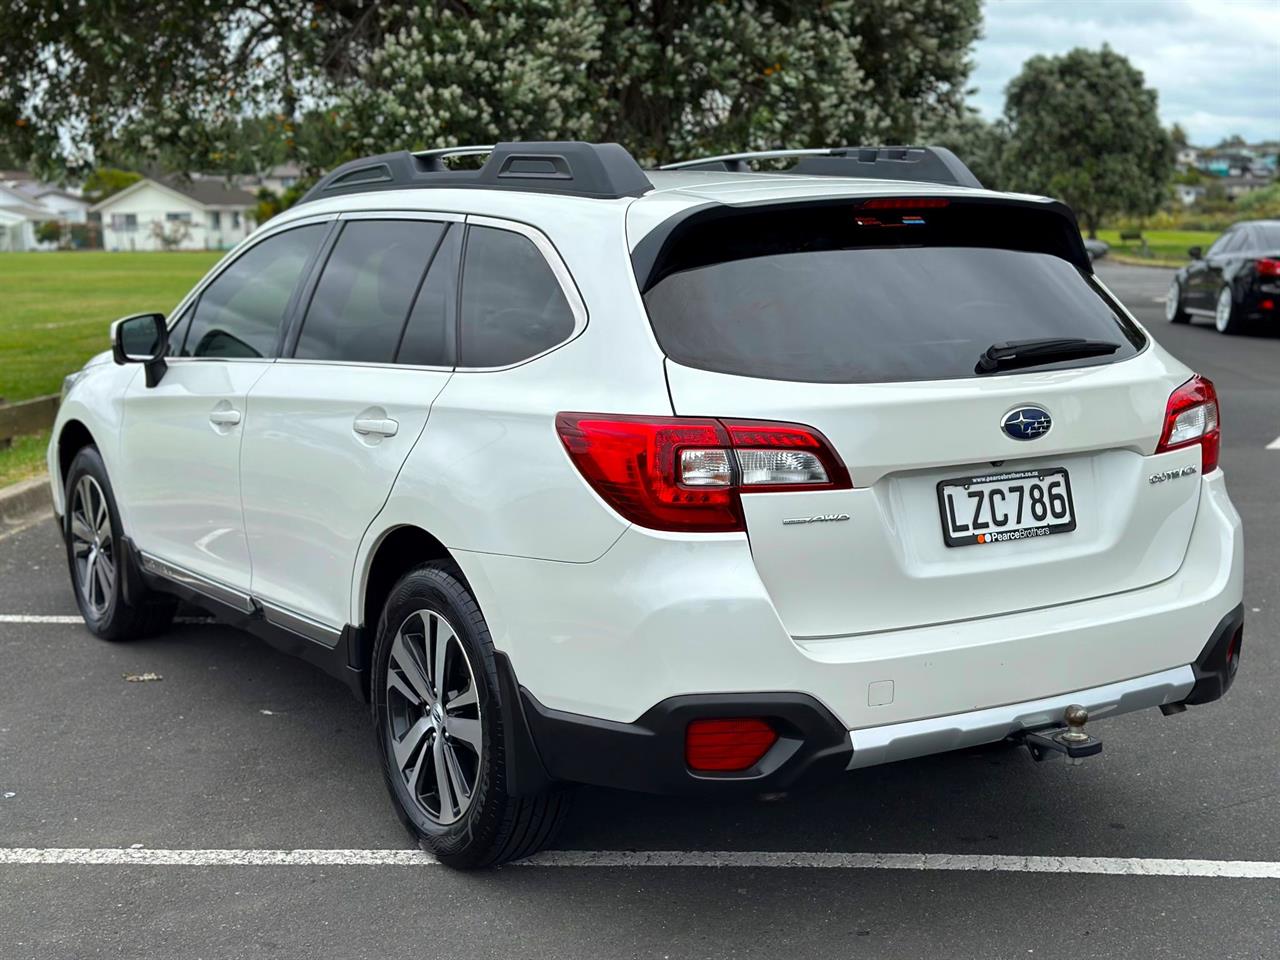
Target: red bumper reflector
<point>727,745</point>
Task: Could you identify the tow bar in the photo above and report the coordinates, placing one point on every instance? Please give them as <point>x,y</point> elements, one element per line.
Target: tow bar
<point>1070,741</point>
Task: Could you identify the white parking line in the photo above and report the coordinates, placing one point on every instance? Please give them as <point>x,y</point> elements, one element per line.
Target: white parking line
<point>27,618</point>
<point>982,863</point>
<point>64,618</point>
<point>1274,444</point>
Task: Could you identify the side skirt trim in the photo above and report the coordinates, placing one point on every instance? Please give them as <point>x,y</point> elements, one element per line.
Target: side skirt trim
<point>337,654</point>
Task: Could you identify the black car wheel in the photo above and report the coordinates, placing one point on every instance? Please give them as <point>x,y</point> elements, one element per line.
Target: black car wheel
<point>96,558</point>
<point>1173,309</point>
<point>439,718</point>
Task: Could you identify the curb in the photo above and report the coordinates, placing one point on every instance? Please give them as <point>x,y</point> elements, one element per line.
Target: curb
<point>20,501</point>
<point>1130,261</point>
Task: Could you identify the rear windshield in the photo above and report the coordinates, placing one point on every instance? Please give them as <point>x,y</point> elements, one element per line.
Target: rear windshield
<point>854,305</point>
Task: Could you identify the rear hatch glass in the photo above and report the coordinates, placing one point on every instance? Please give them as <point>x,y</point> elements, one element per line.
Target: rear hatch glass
<point>839,293</point>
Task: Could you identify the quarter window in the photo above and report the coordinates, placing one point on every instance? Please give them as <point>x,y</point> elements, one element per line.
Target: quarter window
<point>361,304</point>
<point>512,305</point>
<point>240,313</point>
<point>178,332</point>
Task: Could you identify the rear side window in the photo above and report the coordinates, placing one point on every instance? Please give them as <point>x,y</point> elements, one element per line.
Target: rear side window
<point>240,312</point>
<point>837,302</point>
<point>428,339</point>
<point>513,307</point>
<point>360,306</point>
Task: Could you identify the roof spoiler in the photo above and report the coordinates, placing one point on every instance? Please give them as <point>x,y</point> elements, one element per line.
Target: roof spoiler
<point>925,164</point>
<point>601,171</point>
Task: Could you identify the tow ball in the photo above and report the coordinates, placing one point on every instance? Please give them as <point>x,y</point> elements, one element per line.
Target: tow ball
<point>1070,741</point>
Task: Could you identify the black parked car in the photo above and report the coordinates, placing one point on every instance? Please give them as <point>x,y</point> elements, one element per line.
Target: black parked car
<point>1237,282</point>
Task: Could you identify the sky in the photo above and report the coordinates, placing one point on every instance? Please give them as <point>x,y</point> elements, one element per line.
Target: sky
<point>1214,63</point>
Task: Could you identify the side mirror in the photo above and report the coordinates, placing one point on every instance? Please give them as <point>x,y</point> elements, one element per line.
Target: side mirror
<point>141,338</point>
<point>1194,253</point>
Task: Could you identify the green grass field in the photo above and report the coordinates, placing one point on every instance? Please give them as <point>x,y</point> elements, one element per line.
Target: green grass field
<point>56,308</point>
<point>1169,246</point>
<point>55,313</point>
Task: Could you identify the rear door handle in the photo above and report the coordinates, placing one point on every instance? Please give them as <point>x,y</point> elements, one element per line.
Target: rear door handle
<point>382,426</point>
<point>225,418</point>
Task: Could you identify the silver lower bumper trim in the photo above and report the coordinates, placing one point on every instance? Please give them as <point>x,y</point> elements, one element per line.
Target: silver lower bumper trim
<point>918,738</point>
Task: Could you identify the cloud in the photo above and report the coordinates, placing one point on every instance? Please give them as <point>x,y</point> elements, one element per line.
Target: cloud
<point>1214,63</point>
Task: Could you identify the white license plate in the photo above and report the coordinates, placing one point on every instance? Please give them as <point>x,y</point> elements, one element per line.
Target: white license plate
<point>1000,507</point>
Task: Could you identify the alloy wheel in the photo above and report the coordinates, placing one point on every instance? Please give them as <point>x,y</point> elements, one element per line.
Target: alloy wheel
<point>1171,301</point>
<point>1222,315</point>
<point>93,546</point>
<point>433,715</point>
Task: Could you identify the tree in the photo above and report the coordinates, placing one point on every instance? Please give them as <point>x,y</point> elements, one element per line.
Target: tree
<point>167,80</point>
<point>225,85</point>
<point>1084,128</point>
<point>1179,137</point>
<point>104,181</point>
<point>49,231</point>
<point>667,78</point>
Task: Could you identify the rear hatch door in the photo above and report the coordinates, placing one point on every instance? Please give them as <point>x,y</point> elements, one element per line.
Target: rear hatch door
<point>873,335</point>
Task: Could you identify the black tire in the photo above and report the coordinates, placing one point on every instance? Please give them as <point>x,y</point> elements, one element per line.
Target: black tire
<point>107,612</point>
<point>1174,310</point>
<point>427,607</point>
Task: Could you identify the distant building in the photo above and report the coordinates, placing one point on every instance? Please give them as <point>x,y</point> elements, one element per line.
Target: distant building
<point>281,177</point>
<point>26,203</point>
<point>1188,157</point>
<point>69,206</point>
<point>19,216</point>
<point>1237,187</point>
<point>171,214</point>
<point>1189,193</point>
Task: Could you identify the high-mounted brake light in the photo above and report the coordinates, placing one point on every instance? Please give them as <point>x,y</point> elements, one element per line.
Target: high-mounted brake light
<point>688,473</point>
<point>1191,417</point>
<point>905,203</point>
<point>1269,267</point>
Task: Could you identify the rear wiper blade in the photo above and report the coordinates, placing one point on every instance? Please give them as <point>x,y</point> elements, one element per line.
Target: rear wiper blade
<point>1030,353</point>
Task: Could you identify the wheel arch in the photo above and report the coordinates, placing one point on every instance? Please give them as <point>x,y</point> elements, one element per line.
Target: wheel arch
<point>395,551</point>
<point>73,437</point>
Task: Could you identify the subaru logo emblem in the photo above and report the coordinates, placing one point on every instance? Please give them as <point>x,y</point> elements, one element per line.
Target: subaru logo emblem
<point>1026,423</point>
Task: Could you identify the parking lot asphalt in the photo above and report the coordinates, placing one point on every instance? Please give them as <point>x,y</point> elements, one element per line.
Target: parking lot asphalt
<point>240,748</point>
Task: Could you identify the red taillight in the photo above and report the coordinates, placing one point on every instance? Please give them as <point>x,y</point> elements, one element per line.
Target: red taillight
<point>905,203</point>
<point>725,746</point>
<point>1269,267</point>
<point>1191,417</point>
<point>687,473</point>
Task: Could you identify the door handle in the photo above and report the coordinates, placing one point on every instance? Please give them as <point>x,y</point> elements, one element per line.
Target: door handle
<point>382,426</point>
<point>225,418</point>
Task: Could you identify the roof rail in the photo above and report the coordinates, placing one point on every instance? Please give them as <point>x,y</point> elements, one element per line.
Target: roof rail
<point>927,164</point>
<point>602,171</point>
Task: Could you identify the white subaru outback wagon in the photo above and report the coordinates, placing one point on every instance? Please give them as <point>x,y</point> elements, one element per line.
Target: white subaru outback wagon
<point>696,480</point>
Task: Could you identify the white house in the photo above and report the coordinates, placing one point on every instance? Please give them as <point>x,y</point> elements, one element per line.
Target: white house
<point>1189,193</point>
<point>69,207</point>
<point>19,215</point>
<point>165,214</point>
<point>278,179</point>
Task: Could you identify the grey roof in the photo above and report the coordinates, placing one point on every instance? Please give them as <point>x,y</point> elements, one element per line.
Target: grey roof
<point>211,193</point>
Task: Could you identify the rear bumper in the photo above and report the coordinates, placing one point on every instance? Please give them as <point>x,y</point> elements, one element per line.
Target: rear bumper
<point>663,616</point>
<point>814,747</point>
